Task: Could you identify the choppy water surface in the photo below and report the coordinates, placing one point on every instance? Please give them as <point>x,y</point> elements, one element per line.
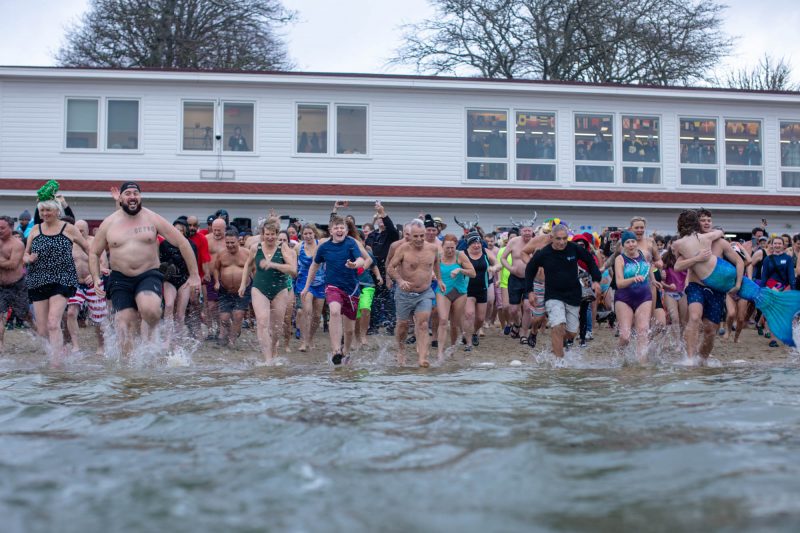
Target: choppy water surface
<point>98,447</point>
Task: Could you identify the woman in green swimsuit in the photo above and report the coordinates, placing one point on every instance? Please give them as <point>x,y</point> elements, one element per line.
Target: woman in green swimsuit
<point>273,264</point>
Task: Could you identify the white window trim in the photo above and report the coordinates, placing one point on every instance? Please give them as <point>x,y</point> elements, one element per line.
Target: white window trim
<point>333,149</point>
<point>295,131</point>
<point>781,167</point>
<point>525,161</point>
<point>98,149</point>
<point>695,166</point>
<point>220,119</point>
<point>614,163</point>
<point>139,129</point>
<point>485,160</point>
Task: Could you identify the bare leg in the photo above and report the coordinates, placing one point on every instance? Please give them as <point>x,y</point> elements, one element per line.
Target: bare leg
<point>742,308</point>
<point>72,325</point>
<point>423,339</point>
<point>278,316</point>
<point>468,322</point>
<point>55,311</point>
<point>709,335</point>
<point>349,327</point>
<point>288,330</point>
<point>443,309</point>
<point>642,320</point>
<point>624,322</point>
<point>335,327</point>
<point>401,330</point>
<point>691,333</point>
<point>149,304</point>
<point>557,334</point>
<point>262,308</point>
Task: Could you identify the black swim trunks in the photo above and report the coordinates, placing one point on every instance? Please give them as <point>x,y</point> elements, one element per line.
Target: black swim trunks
<point>122,289</point>
<point>516,290</point>
<point>15,296</point>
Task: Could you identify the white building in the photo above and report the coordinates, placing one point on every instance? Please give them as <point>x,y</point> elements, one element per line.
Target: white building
<point>593,155</point>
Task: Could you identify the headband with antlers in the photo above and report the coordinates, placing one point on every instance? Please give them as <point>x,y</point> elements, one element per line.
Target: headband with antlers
<point>468,225</point>
<point>525,223</point>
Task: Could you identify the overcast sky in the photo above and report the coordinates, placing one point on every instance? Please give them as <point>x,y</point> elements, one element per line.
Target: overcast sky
<point>361,35</point>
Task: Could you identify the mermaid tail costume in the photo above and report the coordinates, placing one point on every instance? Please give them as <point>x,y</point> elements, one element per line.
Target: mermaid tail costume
<point>779,308</point>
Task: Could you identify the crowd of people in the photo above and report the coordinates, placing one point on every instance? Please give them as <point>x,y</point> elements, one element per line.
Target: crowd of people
<point>138,275</point>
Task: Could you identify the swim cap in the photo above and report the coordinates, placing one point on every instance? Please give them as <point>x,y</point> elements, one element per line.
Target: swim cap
<point>129,185</point>
<point>473,237</point>
<point>627,235</point>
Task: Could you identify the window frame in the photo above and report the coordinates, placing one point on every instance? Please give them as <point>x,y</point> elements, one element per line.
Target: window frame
<point>781,167</point>
<point>97,149</point>
<point>332,142</point>
<point>725,166</point>
<point>181,115</point>
<point>514,160</point>
<point>615,155</point>
<point>507,160</point>
<point>224,142</point>
<point>642,164</point>
<point>139,129</point>
<point>695,166</point>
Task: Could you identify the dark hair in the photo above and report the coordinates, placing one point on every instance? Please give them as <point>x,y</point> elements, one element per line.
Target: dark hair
<point>757,229</point>
<point>796,237</point>
<point>688,222</point>
<point>703,212</point>
<point>9,220</point>
<point>232,233</point>
<point>669,258</point>
<point>336,220</point>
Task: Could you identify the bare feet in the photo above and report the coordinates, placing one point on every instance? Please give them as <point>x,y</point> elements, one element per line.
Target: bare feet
<point>303,347</point>
<point>424,364</point>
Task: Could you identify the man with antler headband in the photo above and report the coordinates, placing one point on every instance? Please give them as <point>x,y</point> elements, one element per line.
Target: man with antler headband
<point>517,297</point>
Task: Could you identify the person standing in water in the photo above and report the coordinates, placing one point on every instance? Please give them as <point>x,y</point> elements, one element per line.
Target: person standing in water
<point>228,271</point>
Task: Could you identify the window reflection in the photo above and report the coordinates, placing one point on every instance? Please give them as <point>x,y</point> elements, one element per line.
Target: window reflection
<point>790,145</point>
<point>81,123</point>
<point>351,129</point>
<point>743,142</point>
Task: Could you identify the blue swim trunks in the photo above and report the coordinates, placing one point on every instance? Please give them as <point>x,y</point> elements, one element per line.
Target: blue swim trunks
<point>713,301</point>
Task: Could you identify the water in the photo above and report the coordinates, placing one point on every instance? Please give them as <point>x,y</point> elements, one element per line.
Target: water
<point>216,445</point>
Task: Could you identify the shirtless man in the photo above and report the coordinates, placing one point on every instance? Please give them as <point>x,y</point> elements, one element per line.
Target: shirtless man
<point>216,244</point>
<point>697,252</point>
<point>13,291</point>
<point>135,284</point>
<point>228,270</point>
<point>411,267</point>
<point>85,294</point>
<point>534,302</point>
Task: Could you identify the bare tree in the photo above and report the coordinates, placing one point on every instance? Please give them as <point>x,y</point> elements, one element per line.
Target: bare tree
<point>658,42</point>
<point>202,34</point>
<point>769,74</point>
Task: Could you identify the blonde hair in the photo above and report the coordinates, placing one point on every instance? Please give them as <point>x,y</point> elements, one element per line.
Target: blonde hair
<point>638,219</point>
<point>51,204</point>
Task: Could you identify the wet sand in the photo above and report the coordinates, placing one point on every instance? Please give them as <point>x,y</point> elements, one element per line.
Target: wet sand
<point>494,349</point>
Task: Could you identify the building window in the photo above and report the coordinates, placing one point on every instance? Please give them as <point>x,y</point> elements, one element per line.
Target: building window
<point>790,154</point>
<point>237,126</point>
<point>535,141</point>
<point>641,149</point>
<point>487,146</point>
<point>312,129</point>
<point>698,144</point>
<point>82,123</point>
<point>743,153</point>
<point>594,139</point>
<point>198,126</point>
<point>123,125</point>
<point>351,129</point>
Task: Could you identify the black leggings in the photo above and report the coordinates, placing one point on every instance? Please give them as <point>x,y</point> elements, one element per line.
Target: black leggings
<point>583,317</point>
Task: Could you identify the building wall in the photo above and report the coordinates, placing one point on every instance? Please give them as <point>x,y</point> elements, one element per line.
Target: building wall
<point>417,137</point>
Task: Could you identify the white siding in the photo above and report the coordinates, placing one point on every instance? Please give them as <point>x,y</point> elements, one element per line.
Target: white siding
<point>417,136</point>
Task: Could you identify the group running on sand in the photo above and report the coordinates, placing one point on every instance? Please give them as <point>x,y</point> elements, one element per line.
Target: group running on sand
<point>439,292</point>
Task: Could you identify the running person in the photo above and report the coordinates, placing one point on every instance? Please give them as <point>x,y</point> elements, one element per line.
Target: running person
<point>135,283</point>
<point>176,291</point>
<point>455,271</point>
<point>343,257</point>
<point>273,264</point>
<point>228,271</point>
<point>633,297</point>
<point>485,265</point>
<point>52,278</point>
<point>13,290</point>
<point>314,300</point>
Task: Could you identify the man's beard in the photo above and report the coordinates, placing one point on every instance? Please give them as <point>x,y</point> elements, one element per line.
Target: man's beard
<point>129,211</point>
<point>192,231</point>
